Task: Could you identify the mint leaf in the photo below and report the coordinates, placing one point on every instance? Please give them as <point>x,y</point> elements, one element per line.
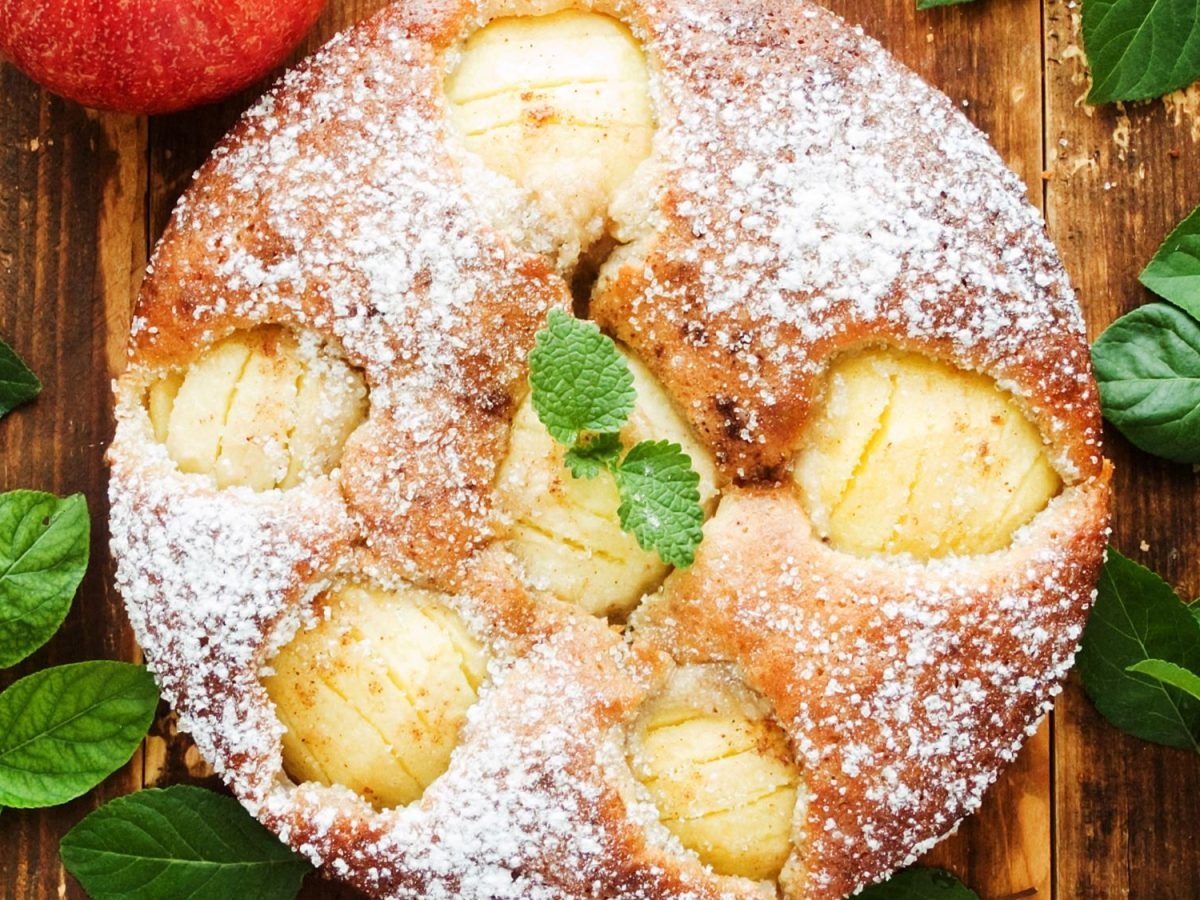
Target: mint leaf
<point>580,381</point>
<point>179,842</point>
<point>1169,673</point>
<point>43,555</point>
<point>660,501</point>
<point>587,458</point>
<point>1139,49</point>
<point>1148,367</point>
<point>582,390</point>
<point>930,4</point>
<point>1174,273</point>
<point>919,883</point>
<point>1195,609</point>
<point>1138,617</point>
<point>64,730</point>
<point>17,383</point>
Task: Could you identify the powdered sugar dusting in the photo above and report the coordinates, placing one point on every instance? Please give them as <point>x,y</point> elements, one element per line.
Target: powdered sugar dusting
<point>204,577</point>
<point>905,686</point>
<point>514,817</point>
<point>810,196</point>
<point>826,198</point>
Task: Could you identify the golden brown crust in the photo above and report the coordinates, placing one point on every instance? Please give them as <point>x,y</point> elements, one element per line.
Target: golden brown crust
<point>256,241</point>
<point>789,234</point>
<point>894,680</point>
<point>762,239</point>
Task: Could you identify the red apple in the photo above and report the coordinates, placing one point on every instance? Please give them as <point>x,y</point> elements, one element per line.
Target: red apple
<point>150,56</point>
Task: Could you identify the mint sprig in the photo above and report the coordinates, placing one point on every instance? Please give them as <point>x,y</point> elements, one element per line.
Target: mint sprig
<point>592,455</point>
<point>64,730</point>
<point>179,842</point>
<point>1139,49</point>
<point>1169,673</point>
<point>43,556</point>
<point>933,4</point>
<point>1148,368</point>
<point>660,500</point>
<point>1174,272</point>
<point>919,883</point>
<point>18,384</point>
<point>1137,619</point>
<point>1148,361</point>
<point>583,393</point>
<point>580,382</point>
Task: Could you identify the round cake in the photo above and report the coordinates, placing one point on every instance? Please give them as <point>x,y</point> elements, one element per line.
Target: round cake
<point>419,648</point>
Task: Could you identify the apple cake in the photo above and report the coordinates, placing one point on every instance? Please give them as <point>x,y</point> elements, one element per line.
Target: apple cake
<point>426,655</point>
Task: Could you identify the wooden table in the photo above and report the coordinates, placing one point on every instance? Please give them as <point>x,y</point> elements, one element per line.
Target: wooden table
<point>1085,813</point>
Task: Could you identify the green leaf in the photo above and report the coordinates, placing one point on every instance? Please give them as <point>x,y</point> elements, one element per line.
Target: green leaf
<point>580,380</point>
<point>1138,617</point>
<point>43,555</point>
<point>919,883</point>
<point>587,458</point>
<point>64,730</point>
<point>1195,609</point>
<point>660,501</point>
<point>1148,367</point>
<point>1169,673</point>
<point>1140,49</point>
<point>1174,273</point>
<point>179,842</point>
<point>17,383</point>
<point>930,4</point>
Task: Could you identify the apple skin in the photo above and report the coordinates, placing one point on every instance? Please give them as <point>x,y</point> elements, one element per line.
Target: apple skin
<point>150,56</point>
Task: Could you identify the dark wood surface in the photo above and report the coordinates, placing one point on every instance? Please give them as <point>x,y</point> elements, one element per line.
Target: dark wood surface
<point>1085,812</point>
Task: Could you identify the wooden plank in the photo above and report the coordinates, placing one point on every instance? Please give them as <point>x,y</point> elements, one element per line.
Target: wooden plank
<point>72,242</point>
<point>987,58</point>
<point>72,247</point>
<point>1126,811</point>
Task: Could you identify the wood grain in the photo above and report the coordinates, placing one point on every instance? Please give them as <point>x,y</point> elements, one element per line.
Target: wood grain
<point>72,246</point>
<point>1085,812</point>
<point>1127,811</point>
